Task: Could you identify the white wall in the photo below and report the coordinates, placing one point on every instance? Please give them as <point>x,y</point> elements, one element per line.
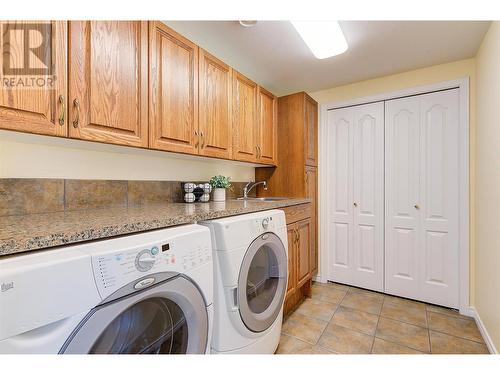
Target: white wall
<point>487,273</point>
<point>33,156</point>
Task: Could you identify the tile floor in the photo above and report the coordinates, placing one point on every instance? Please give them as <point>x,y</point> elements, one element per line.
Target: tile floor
<point>349,320</point>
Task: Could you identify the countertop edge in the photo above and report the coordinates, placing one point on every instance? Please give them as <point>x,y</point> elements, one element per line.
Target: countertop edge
<point>74,237</point>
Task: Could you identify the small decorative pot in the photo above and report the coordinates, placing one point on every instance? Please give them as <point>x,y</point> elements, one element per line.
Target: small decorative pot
<point>219,195</point>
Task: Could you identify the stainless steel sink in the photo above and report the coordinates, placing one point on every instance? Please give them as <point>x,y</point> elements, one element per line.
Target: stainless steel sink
<point>262,199</point>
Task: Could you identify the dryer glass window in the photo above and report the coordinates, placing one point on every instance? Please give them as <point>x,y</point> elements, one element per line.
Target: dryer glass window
<point>151,326</point>
<point>262,280</point>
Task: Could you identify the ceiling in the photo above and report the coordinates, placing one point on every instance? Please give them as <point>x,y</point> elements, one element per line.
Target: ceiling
<point>273,54</point>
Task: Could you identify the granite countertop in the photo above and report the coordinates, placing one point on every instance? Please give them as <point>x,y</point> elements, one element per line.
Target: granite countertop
<point>21,233</point>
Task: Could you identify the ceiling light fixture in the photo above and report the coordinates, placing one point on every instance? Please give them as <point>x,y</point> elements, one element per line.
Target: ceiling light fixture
<point>247,23</point>
<point>324,38</point>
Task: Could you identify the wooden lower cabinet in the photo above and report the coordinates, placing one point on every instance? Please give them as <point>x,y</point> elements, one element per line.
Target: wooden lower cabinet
<point>312,193</point>
<point>303,250</point>
<point>290,290</point>
<point>299,231</point>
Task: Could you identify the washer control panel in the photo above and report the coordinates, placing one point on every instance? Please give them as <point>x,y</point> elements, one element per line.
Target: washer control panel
<point>117,268</point>
<point>146,259</point>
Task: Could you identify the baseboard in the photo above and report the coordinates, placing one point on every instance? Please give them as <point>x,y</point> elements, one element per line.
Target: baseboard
<point>484,332</point>
<point>318,279</point>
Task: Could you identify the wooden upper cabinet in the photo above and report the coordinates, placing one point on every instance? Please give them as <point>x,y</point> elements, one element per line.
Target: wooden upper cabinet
<point>245,126</point>
<point>108,81</point>
<point>268,112</point>
<point>42,109</point>
<point>173,91</point>
<point>215,107</point>
<point>311,130</point>
<point>303,268</point>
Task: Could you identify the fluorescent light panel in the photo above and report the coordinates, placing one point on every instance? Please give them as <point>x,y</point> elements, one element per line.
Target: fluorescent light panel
<point>324,38</point>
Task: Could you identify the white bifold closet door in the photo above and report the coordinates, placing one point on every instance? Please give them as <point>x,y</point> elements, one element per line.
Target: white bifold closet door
<point>421,190</point>
<point>356,189</point>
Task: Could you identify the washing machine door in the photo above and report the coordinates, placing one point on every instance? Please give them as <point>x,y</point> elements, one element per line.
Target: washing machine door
<point>262,282</point>
<point>167,318</point>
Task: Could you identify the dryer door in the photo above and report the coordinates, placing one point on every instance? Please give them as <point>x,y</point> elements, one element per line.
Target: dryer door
<point>167,318</point>
<point>262,282</point>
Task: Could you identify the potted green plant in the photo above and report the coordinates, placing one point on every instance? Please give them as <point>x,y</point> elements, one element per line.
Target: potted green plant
<point>219,185</point>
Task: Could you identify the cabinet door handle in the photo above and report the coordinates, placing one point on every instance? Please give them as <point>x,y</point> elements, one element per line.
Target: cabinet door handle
<point>63,110</point>
<point>355,204</point>
<point>76,122</point>
<point>417,207</point>
<point>202,140</point>
<point>197,139</point>
<point>260,152</point>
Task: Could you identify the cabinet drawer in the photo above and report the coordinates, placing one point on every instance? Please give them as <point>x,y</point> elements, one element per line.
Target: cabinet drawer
<point>298,212</point>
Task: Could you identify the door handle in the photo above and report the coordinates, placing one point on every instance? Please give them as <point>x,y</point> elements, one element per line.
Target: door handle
<point>197,141</point>
<point>417,207</point>
<point>355,204</point>
<point>63,110</point>
<point>76,122</point>
<point>202,140</point>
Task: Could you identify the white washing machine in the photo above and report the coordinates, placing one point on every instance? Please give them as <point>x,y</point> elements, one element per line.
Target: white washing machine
<point>145,293</point>
<point>250,280</point>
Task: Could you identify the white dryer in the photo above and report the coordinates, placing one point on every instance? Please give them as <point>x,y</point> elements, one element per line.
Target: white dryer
<point>145,293</point>
<point>250,279</point>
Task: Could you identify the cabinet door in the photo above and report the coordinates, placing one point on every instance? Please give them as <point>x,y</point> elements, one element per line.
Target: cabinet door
<point>245,124</point>
<point>340,193</point>
<point>43,109</point>
<point>311,131</point>
<point>268,121</point>
<point>312,193</point>
<point>303,251</point>
<point>368,196</point>
<point>215,105</point>
<point>108,81</point>
<point>292,282</point>
<point>173,91</point>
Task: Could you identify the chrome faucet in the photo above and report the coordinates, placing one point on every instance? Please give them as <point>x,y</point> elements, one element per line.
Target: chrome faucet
<point>248,187</point>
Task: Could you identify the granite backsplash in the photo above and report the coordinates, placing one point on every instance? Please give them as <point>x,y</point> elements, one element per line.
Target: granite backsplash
<point>22,196</point>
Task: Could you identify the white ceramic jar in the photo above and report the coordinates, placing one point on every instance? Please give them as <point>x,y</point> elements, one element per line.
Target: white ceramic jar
<point>219,195</point>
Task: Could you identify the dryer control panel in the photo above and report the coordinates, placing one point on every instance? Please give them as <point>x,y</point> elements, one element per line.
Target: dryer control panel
<point>114,268</point>
<point>267,224</point>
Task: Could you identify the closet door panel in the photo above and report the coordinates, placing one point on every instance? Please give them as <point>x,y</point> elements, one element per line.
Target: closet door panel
<point>439,197</point>
<point>368,196</point>
<point>402,133</point>
<point>340,180</point>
